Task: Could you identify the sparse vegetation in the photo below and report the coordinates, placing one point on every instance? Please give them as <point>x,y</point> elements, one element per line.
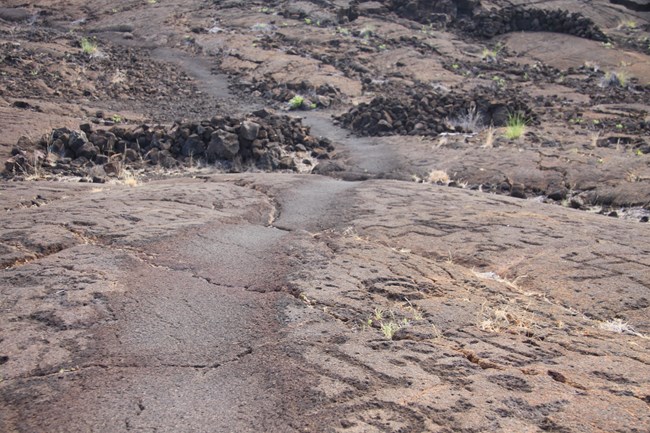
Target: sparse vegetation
<point>88,46</point>
<point>439,177</point>
<point>470,121</point>
<point>628,25</point>
<point>296,102</point>
<point>128,178</point>
<point>389,329</point>
<point>489,139</point>
<point>342,31</point>
<point>504,318</point>
<point>366,32</point>
<point>515,126</point>
<point>500,82</point>
<point>615,79</point>
<point>619,326</point>
<point>491,55</point>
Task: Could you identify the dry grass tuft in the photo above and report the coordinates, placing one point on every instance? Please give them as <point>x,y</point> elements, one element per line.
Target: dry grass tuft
<point>505,318</point>
<point>619,327</point>
<point>489,139</point>
<point>439,177</point>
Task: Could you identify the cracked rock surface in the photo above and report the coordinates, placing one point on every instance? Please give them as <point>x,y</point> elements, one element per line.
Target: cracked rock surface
<point>506,290</point>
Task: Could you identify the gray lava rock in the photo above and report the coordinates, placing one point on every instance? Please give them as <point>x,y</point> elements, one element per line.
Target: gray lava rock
<point>324,101</point>
<point>286,163</point>
<point>193,146</point>
<point>87,150</point>
<point>223,145</point>
<point>77,140</point>
<point>249,130</point>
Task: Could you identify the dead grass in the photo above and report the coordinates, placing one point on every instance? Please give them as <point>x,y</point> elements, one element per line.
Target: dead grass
<point>469,121</point>
<point>618,326</point>
<point>128,177</point>
<point>438,177</point>
<point>489,139</point>
<point>508,318</point>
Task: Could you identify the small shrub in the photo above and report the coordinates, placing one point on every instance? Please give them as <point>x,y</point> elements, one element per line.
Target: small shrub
<point>470,121</point>
<point>615,79</point>
<point>491,55</point>
<point>389,329</point>
<point>489,139</point>
<point>88,46</point>
<point>619,327</point>
<point>367,32</point>
<point>500,82</point>
<point>516,126</point>
<point>296,102</point>
<point>628,24</point>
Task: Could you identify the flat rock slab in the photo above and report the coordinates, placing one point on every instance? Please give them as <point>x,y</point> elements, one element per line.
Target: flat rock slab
<point>235,302</point>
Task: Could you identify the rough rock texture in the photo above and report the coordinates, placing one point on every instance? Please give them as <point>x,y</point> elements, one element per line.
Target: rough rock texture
<point>421,111</point>
<point>457,282</point>
<point>488,24</point>
<point>224,139</point>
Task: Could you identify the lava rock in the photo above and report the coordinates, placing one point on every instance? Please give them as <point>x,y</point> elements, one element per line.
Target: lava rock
<point>249,130</point>
<point>193,146</point>
<point>223,145</point>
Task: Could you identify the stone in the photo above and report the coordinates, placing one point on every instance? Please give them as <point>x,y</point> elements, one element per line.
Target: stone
<point>384,125</point>
<point>76,140</point>
<point>193,146</point>
<point>87,150</point>
<point>558,195</point>
<point>223,145</point>
<point>326,167</point>
<point>249,130</point>
<point>131,155</point>
<point>101,159</point>
<point>324,101</point>
<point>517,190</point>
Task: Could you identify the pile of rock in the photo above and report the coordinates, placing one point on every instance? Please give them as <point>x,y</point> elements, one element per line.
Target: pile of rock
<point>322,96</point>
<point>427,11</point>
<point>488,24</point>
<point>422,111</point>
<point>265,140</point>
<point>469,17</point>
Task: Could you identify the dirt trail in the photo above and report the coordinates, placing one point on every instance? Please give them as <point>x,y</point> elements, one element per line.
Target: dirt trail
<point>191,321</point>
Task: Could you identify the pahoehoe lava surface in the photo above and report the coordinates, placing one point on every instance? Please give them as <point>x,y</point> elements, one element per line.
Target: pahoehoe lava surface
<point>279,216</point>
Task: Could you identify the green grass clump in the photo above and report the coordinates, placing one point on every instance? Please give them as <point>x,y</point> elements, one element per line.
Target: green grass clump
<point>615,79</point>
<point>389,329</point>
<point>515,126</point>
<point>296,102</point>
<point>88,46</point>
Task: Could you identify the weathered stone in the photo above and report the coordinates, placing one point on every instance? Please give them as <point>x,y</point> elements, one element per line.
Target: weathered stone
<point>286,163</point>
<point>76,140</point>
<point>131,155</point>
<point>324,101</point>
<point>87,150</point>
<point>223,145</point>
<point>249,130</point>
<point>193,146</point>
